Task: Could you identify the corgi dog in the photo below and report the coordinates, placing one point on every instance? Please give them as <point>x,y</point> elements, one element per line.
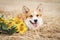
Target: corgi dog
<point>33,19</point>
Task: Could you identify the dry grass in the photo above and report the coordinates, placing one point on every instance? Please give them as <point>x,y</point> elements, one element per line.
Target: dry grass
<point>50,30</point>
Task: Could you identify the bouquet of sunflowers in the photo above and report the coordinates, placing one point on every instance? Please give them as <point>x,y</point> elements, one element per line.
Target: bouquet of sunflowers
<point>13,25</point>
<point>20,25</point>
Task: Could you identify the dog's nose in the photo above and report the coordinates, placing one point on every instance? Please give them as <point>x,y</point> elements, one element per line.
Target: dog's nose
<point>35,20</point>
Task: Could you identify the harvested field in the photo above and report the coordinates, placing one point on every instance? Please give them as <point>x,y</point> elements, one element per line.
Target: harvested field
<point>50,30</point>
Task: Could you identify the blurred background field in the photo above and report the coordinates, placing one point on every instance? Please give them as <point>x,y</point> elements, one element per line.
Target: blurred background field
<point>51,16</point>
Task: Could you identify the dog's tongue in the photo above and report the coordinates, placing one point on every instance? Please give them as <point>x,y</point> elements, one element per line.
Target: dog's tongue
<point>35,24</point>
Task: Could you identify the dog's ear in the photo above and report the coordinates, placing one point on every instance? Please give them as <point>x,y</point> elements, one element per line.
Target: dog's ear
<point>39,8</point>
<point>25,9</point>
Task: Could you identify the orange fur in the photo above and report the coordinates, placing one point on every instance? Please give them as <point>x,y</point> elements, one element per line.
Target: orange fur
<point>31,13</point>
<point>21,16</point>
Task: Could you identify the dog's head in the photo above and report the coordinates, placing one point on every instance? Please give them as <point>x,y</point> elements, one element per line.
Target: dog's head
<point>33,18</point>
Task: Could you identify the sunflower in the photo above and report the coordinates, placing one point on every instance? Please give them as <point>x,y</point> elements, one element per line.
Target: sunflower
<point>16,20</point>
<point>10,23</point>
<point>2,19</point>
<point>21,26</point>
<point>19,23</point>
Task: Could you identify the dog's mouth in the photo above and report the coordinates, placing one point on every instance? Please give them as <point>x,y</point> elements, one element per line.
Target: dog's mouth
<point>34,24</point>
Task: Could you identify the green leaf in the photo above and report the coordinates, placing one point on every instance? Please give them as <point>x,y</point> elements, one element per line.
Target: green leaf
<point>12,30</point>
<point>4,26</point>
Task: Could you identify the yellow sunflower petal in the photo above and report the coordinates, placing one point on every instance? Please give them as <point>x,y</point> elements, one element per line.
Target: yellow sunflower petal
<point>23,28</point>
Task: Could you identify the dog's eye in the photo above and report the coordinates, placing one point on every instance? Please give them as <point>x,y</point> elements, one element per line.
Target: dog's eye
<point>37,15</point>
<point>31,16</point>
